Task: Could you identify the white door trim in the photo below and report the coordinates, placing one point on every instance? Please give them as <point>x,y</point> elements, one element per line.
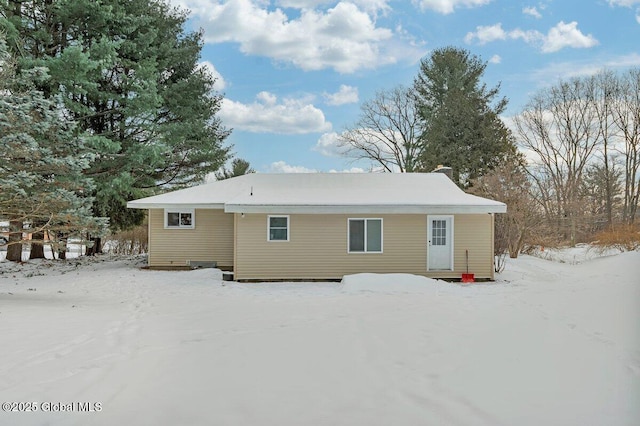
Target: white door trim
<point>450,238</point>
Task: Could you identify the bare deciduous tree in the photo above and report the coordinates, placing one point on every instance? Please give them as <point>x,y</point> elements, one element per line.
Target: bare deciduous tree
<point>386,132</point>
<point>605,90</point>
<point>626,116</point>
<point>509,183</point>
<point>559,127</point>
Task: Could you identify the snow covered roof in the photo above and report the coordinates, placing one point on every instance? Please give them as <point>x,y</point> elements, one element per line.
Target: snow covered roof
<point>365,193</point>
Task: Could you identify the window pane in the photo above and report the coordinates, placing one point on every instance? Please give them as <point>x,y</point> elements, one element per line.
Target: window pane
<point>356,235</point>
<point>439,233</point>
<point>185,219</point>
<point>276,234</point>
<point>374,235</point>
<point>173,219</point>
<point>278,228</point>
<point>278,222</point>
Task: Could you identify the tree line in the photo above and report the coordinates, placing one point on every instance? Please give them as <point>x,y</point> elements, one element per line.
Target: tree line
<point>568,165</point>
<point>103,102</point>
<point>100,103</point>
<point>447,117</point>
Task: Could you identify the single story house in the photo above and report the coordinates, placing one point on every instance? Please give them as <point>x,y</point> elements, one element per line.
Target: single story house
<point>320,226</point>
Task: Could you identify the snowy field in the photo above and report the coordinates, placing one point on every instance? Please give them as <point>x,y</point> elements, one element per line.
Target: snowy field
<point>554,341</point>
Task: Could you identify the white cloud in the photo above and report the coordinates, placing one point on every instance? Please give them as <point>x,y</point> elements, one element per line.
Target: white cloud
<point>220,84</point>
<point>302,4</point>
<point>561,36</point>
<point>346,95</point>
<point>267,98</point>
<point>565,70</point>
<point>267,114</point>
<point>629,4</point>
<point>448,6</point>
<point>567,35</point>
<point>344,37</point>
<point>329,145</point>
<point>486,34</point>
<point>351,170</point>
<point>532,11</point>
<point>495,59</point>
<point>371,6</point>
<point>283,167</point>
<point>625,3</point>
<point>529,36</point>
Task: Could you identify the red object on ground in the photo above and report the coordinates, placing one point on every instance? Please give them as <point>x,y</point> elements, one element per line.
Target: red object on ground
<point>467,278</point>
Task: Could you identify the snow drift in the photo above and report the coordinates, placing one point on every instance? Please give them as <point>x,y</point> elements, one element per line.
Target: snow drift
<point>391,283</point>
<point>547,343</point>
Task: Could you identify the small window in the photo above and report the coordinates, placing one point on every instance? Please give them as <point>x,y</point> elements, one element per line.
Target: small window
<point>439,233</point>
<point>278,228</point>
<point>179,219</point>
<point>365,235</point>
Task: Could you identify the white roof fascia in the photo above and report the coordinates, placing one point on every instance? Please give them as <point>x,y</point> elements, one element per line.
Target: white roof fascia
<point>365,209</point>
<point>147,205</point>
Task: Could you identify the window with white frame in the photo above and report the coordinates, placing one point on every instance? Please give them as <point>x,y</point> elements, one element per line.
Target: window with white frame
<point>179,218</point>
<point>278,228</point>
<point>365,235</point>
<point>439,232</point>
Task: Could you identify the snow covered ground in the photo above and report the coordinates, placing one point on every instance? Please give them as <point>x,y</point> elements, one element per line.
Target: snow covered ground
<point>102,342</point>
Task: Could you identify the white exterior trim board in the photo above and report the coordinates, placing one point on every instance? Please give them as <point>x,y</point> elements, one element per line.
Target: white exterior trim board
<point>364,209</point>
<point>134,205</point>
<point>451,239</point>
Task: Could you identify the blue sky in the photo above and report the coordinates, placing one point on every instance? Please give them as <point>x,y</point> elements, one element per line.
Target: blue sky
<point>294,72</point>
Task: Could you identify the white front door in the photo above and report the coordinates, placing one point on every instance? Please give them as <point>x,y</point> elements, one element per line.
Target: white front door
<point>440,243</point>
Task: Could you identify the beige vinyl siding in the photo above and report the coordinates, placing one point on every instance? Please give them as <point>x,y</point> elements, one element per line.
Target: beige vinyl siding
<point>317,247</point>
<point>210,240</point>
<point>473,232</point>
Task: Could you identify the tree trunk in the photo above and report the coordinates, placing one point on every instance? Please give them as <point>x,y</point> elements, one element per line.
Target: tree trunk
<point>61,245</point>
<point>96,248</point>
<point>634,206</point>
<point>37,246</point>
<point>14,249</point>
<point>608,189</point>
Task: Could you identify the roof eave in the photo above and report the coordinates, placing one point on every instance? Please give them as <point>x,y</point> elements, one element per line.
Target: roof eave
<point>364,209</point>
<point>151,205</point>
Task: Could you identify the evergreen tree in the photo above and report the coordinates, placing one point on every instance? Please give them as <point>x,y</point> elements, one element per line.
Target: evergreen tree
<point>461,127</point>
<point>239,167</point>
<point>129,75</point>
<point>600,191</point>
<point>42,188</point>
